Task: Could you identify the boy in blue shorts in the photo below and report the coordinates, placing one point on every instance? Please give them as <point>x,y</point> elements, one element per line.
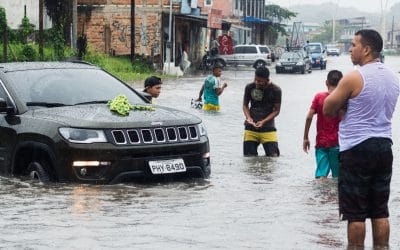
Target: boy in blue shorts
<point>327,145</point>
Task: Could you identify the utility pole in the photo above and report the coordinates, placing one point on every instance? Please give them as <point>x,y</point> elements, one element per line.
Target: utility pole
<point>392,35</point>
<point>169,43</point>
<point>41,30</point>
<point>74,24</point>
<point>132,30</point>
<point>383,21</point>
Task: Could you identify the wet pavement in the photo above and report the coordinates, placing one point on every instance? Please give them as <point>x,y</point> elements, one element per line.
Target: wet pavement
<point>248,203</point>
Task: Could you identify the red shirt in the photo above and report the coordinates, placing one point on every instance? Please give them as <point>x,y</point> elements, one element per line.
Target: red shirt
<point>327,127</point>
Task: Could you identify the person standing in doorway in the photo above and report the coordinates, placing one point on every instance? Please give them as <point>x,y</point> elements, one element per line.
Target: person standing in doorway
<point>327,144</point>
<point>261,104</point>
<point>368,95</point>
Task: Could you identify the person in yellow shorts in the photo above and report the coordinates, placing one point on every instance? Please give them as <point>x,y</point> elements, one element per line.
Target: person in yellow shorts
<point>261,104</point>
<point>212,89</point>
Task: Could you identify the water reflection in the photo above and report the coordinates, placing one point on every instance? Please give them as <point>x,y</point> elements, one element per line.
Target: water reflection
<point>260,167</point>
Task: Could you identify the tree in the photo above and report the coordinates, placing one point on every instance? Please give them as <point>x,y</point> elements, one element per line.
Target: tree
<point>3,32</point>
<point>277,14</point>
<point>25,30</point>
<point>325,36</point>
<point>60,13</point>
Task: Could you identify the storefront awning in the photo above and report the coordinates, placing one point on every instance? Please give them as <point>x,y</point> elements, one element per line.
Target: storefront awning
<point>202,21</point>
<point>252,19</point>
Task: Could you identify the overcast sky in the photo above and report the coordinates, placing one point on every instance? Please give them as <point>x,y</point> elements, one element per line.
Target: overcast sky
<point>363,5</point>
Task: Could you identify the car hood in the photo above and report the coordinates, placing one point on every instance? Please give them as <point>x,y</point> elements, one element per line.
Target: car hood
<point>100,116</point>
<point>316,55</point>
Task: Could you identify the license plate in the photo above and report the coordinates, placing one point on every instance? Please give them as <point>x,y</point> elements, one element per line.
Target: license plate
<point>167,166</point>
<point>288,68</point>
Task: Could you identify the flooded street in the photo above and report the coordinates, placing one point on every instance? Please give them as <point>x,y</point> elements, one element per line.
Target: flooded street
<point>248,203</point>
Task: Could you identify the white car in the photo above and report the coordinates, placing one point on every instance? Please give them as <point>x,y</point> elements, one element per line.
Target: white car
<point>332,50</point>
<point>248,55</point>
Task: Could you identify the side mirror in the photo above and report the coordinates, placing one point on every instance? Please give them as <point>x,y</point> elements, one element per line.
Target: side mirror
<point>4,108</point>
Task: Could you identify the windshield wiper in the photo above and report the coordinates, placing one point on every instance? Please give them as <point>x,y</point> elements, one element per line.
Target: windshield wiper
<point>46,104</point>
<point>91,102</point>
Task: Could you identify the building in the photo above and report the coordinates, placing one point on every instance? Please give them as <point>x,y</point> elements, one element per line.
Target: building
<point>16,9</point>
<point>350,27</point>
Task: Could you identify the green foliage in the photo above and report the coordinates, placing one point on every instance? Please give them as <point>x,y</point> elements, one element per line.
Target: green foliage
<point>3,20</point>
<point>277,14</point>
<point>121,105</point>
<point>28,53</point>
<point>18,52</point>
<point>121,67</point>
<point>25,29</point>
<point>58,43</point>
<point>60,13</point>
<point>325,36</point>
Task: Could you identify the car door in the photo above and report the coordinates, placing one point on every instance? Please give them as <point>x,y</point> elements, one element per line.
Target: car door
<point>238,54</point>
<point>7,136</point>
<point>249,55</point>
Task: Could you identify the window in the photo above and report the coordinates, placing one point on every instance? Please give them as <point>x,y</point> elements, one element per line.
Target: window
<point>239,50</point>
<point>250,50</point>
<point>264,50</point>
<point>208,2</point>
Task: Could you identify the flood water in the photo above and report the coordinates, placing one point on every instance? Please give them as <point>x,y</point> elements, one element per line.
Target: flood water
<point>247,203</point>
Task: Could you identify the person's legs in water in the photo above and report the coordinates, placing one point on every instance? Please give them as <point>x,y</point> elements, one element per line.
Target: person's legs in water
<point>333,157</point>
<point>250,148</point>
<point>271,149</point>
<point>322,160</point>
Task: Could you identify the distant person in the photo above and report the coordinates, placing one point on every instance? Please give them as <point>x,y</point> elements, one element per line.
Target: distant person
<point>212,89</point>
<point>368,95</point>
<point>152,87</point>
<point>327,144</point>
<point>214,47</point>
<point>261,104</point>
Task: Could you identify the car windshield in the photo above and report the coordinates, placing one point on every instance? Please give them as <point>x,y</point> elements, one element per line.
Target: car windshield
<point>290,56</point>
<point>68,87</point>
<point>314,48</point>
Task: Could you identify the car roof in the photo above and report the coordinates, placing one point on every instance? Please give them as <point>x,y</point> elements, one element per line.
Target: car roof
<point>21,66</point>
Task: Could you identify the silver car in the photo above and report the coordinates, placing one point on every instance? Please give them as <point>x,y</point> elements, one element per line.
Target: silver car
<point>248,55</point>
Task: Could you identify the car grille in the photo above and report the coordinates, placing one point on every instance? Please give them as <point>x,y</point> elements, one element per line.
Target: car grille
<point>143,136</point>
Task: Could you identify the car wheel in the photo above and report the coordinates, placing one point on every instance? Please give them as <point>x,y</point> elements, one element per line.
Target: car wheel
<point>259,64</point>
<point>37,171</point>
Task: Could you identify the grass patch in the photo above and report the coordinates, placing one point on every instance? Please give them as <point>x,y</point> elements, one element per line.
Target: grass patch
<point>119,66</point>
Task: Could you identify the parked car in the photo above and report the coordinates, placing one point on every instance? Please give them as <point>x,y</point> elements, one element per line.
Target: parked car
<point>317,54</point>
<point>332,50</point>
<point>293,61</point>
<point>248,55</point>
<point>56,125</point>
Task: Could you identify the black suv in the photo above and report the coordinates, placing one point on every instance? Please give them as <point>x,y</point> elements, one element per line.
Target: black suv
<point>56,126</point>
<point>293,61</point>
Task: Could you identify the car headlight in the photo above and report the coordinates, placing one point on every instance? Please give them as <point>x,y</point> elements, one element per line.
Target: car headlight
<point>299,63</point>
<point>278,64</point>
<point>77,135</point>
<point>202,129</point>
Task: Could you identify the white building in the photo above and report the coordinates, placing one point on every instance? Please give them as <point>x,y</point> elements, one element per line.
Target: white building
<point>15,12</point>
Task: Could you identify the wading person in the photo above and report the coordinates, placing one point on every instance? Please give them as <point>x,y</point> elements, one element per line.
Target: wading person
<point>327,144</point>
<point>212,89</point>
<point>369,95</point>
<point>152,87</point>
<point>261,104</point>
